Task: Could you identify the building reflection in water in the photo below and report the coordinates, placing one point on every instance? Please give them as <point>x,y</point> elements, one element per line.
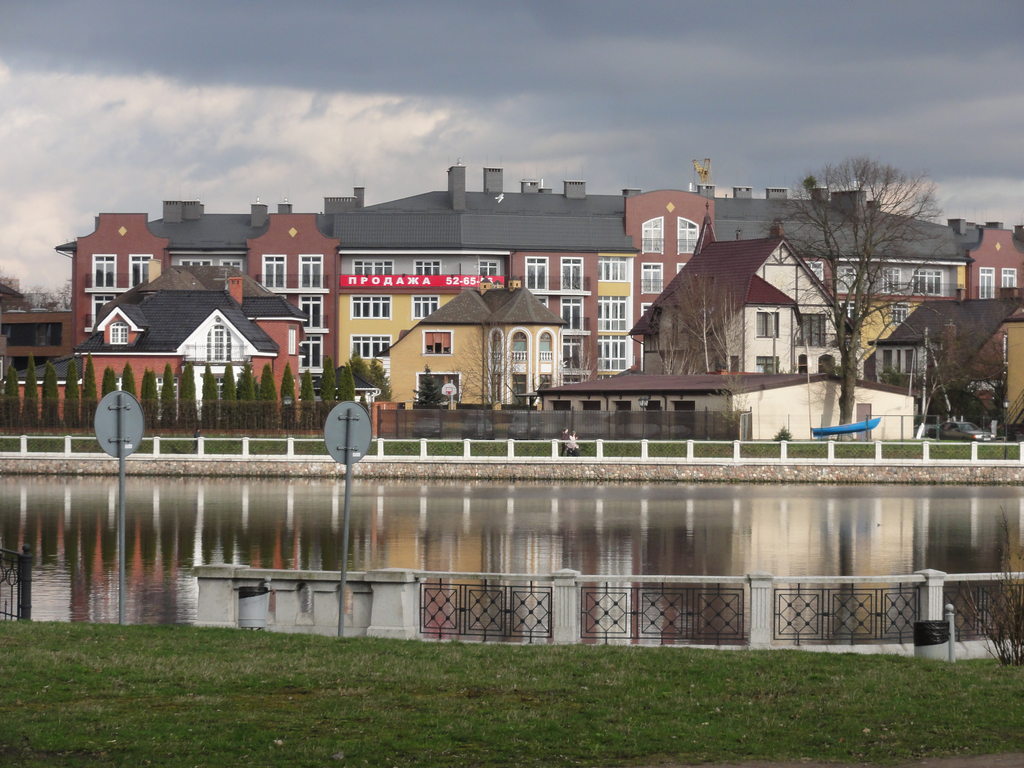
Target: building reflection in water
<point>174,524</point>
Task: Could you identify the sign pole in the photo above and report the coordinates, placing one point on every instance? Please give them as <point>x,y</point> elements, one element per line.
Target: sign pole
<point>120,508</point>
<point>349,449</point>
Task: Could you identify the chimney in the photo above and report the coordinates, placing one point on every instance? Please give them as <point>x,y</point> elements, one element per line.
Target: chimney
<point>155,269</point>
<point>630,191</point>
<point>457,187</point>
<point>959,226</point>
<point>284,207</point>
<point>528,186</point>
<point>359,193</point>
<point>235,288</point>
<point>706,190</point>
<point>574,190</point>
<point>820,194</point>
<point>993,225</point>
<point>191,210</point>
<point>493,182</point>
<point>172,211</point>
<point>258,215</point>
<point>776,193</point>
<point>334,205</point>
<point>850,201</point>
<point>742,193</point>
<point>1018,233</point>
<point>776,230</point>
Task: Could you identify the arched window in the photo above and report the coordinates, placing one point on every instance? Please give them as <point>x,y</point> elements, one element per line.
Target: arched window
<point>686,235</point>
<point>119,333</point>
<point>519,345</point>
<point>545,348</point>
<point>801,364</point>
<point>218,344</point>
<point>654,236</point>
<point>826,364</point>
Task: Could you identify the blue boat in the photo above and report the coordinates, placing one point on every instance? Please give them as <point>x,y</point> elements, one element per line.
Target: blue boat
<point>845,429</point>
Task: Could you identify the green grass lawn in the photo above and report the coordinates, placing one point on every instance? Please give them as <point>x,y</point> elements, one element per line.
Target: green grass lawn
<point>103,695</point>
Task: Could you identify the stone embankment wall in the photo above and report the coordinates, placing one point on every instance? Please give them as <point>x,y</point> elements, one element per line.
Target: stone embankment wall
<point>541,470</point>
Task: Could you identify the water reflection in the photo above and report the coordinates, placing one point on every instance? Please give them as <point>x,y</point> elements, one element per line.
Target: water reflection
<point>70,524</point>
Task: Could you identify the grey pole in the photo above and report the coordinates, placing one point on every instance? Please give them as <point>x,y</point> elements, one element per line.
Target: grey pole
<point>120,508</point>
<point>349,448</point>
<point>951,619</point>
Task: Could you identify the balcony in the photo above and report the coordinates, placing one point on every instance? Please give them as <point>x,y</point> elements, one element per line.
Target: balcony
<point>276,281</point>
<point>653,244</point>
<point>652,285</point>
<point>575,284</point>
<point>576,324</point>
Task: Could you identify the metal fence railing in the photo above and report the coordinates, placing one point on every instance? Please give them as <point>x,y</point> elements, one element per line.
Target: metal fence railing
<point>15,585</point>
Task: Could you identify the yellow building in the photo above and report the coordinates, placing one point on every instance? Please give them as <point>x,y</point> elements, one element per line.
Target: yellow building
<point>494,345</point>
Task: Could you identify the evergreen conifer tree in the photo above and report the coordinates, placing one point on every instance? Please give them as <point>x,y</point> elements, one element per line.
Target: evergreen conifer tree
<point>360,368</point>
<point>149,397</point>
<point>346,385</point>
<point>429,394</point>
<point>51,396</point>
<point>109,381</point>
<point>246,384</point>
<point>287,384</point>
<point>268,388</point>
<point>308,397</point>
<point>72,402</point>
<point>168,406</point>
<point>30,398</point>
<point>210,397</point>
<point>128,380</point>
<point>380,380</point>
<point>12,398</point>
<point>88,383</point>
<point>187,412</point>
<point>229,388</point>
<point>329,381</point>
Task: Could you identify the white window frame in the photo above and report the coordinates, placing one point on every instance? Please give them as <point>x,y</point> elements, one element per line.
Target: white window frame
<point>817,269</point>
<point>311,271</point>
<point>572,273</point>
<point>373,343</point>
<point>370,307</point>
<point>898,313</point>
<point>119,334</point>
<point>845,277</point>
<point>306,303</point>
<point>274,270</point>
<point>573,320</point>
<point>537,273</point>
<point>892,280</point>
<point>1008,277</point>
<point>293,341</point>
<point>424,306</point>
<point>488,267</point>
<point>613,269</point>
<point>218,344</point>
<point>767,324</point>
<point>138,272</point>
<point>104,270</point>
<point>612,353</point>
<point>311,352</point>
<point>373,267</point>
<point>612,313</point>
<point>928,282</point>
<point>653,235</point>
<point>428,267</point>
<point>652,277</point>
<point>98,302</point>
<point>987,283</point>
<point>686,235</point>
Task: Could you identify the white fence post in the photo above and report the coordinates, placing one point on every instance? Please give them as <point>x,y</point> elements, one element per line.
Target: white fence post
<point>565,598</point>
<point>929,595</point>
<point>156,445</point>
<point>599,448</point>
<point>689,450</point>
<point>762,609</point>
<point>393,612</point>
<point>289,444</point>
<point>735,450</point>
<point>926,451</point>
<point>783,450</point>
<point>67,445</point>
<point>878,451</point>
<point>466,452</point>
<point>245,446</point>
<point>643,449</point>
<point>23,444</point>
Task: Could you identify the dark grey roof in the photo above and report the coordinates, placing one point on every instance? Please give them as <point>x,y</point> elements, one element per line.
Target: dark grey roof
<point>753,218</point>
<point>496,306</point>
<point>266,307</point>
<point>704,383</point>
<point>210,231</point>
<point>980,318</point>
<point>520,221</point>
<point>6,290</point>
<point>170,317</point>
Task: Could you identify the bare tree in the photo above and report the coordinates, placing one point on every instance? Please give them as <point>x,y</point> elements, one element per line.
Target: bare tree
<point>698,328</point>
<point>858,218</point>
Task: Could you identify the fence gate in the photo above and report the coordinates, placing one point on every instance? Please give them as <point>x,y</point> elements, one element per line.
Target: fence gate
<point>15,584</point>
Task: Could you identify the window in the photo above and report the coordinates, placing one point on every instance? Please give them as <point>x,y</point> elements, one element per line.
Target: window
<point>898,312</point>
<point>293,338</point>
<point>1009,277</point>
<point>311,352</point>
<point>845,278</point>
<point>371,307</point>
<point>768,325</point>
<point>273,271</point>
<point>546,353</point>
<point>818,268</point>
<point>103,271</point>
<point>986,283</point>
<point>369,347</point>
<point>196,263</point>
<point>687,235</point>
<point>519,384</point>
<point>218,344</point>
<point>812,331</point>
<point>611,313</point>
<point>765,364</point>
<point>233,263</point>
<point>437,342</point>
<point>519,347</point>
<point>572,274</point>
<point>423,306</point>
<point>611,353</point>
<point>651,280</point>
<point>572,314</point>
<point>428,267</point>
<point>312,271</point>
<point>928,281</point>
<point>612,269</point>
<point>572,353</point>
<point>488,267</point>
<point>537,273</point>
<point>313,306</point>
<point>99,300</point>
<point>119,333</point>
<point>653,236</point>
<point>140,269</point>
<point>373,267</point>
<point>892,279</point>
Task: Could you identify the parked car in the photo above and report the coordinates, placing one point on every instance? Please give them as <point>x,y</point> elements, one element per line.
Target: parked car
<point>962,430</point>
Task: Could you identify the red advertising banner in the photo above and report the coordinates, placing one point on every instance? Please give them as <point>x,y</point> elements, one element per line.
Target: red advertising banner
<point>433,282</point>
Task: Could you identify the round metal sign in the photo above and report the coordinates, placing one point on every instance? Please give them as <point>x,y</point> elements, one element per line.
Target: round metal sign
<point>119,424</point>
<point>449,389</point>
<point>347,432</point>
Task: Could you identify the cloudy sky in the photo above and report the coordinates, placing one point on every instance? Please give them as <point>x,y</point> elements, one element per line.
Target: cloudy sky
<point>116,105</point>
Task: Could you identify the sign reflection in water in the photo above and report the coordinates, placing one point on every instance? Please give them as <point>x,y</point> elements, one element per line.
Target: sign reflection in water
<point>173,524</point>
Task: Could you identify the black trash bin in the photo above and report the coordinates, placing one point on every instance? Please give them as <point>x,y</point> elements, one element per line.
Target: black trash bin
<point>253,605</point>
<point>931,639</point>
